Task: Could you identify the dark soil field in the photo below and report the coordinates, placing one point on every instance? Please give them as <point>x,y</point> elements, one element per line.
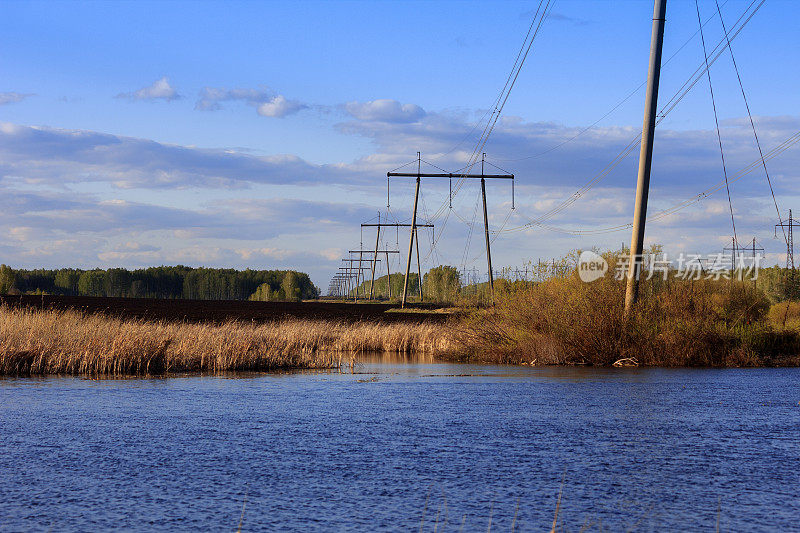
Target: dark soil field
<point>225,310</point>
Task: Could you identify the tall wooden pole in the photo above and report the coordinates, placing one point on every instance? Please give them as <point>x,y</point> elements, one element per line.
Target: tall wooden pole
<point>358,286</point>
<point>419,267</point>
<point>645,154</point>
<point>413,231</point>
<point>375,258</point>
<point>388,276</point>
<point>358,279</point>
<point>486,231</point>
<point>790,254</point>
<point>349,281</point>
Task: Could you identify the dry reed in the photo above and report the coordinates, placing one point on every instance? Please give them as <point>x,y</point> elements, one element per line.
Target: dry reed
<point>69,342</point>
<point>676,323</point>
<point>785,315</point>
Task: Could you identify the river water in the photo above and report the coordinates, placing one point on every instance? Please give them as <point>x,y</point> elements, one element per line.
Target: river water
<point>398,445</point>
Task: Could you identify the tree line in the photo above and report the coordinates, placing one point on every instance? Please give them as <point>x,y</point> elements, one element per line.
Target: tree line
<point>444,284</point>
<point>162,282</point>
<point>440,284</point>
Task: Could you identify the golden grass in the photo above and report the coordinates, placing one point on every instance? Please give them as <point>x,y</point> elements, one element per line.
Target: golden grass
<point>785,315</point>
<point>676,323</point>
<point>69,342</point>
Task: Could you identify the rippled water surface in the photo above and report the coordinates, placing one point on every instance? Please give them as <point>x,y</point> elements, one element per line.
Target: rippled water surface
<point>398,445</point>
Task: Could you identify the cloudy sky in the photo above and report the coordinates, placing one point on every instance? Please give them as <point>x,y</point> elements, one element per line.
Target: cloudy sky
<point>259,134</point>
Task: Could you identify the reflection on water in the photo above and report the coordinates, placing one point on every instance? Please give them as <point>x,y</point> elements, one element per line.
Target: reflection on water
<point>394,358</point>
<point>427,365</point>
<point>660,449</point>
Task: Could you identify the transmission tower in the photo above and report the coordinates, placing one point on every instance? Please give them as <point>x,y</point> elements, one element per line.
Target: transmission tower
<point>449,175</point>
<point>789,243</point>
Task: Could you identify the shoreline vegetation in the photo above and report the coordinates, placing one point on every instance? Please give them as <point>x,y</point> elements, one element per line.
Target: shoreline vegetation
<point>676,324</point>
<point>725,320</point>
<point>556,320</point>
<point>40,342</point>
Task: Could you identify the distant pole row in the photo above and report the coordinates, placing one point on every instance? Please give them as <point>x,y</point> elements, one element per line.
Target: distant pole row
<point>348,282</point>
<point>419,175</point>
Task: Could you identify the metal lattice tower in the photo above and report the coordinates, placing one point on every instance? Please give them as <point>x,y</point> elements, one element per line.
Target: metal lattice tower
<point>789,243</point>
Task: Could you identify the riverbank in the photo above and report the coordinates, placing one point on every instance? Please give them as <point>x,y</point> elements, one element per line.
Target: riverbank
<point>39,342</point>
<point>676,323</point>
<point>559,322</point>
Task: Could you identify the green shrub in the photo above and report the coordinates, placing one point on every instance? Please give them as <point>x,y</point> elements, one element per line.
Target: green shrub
<point>6,279</point>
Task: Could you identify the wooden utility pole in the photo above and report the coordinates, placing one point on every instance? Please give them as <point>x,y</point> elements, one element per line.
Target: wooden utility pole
<point>377,241</point>
<point>380,225</point>
<point>374,260</point>
<point>344,282</point>
<point>754,250</point>
<point>354,270</point>
<point>358,285</point>
<point>346,276</point>
<point>419,267</point>
<point>413,230</point>
<point>755,262</point>
<point>388,278</point>
<point>486,231</point>
<point>482,176</point>
<point>733,254</point>
<point>335,285</point>
<point>645,154</point>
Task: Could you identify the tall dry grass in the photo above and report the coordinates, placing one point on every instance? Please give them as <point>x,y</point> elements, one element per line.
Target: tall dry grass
<point>785,315</point>
<point>675,323</point>
<point>69,342</point>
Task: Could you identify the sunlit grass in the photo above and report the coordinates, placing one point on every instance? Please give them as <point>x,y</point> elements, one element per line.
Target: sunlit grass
<point>69,342</point>
<point>676,323</point>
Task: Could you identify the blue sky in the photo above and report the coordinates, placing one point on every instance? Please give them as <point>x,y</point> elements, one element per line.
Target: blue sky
<point>259,133</point>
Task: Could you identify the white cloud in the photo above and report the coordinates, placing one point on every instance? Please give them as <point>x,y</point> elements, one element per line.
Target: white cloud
<point>159,90</point>
<point>50,226</point>
<point>52,229</point>
<point>390,111</point>
<point>130,253</point>
<point>25,215</point>
<point>11,98</point>
<point>331,254</point>
<point>267,103</point>
<point>279,107</point>
<point>53,156</point>
<point>686,162</point>
<point>264,253</point>
<point>210,97</point>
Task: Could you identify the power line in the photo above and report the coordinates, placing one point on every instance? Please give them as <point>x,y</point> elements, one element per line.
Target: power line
<point>616,106</point>
<point>538,19</point>
<point>716,122</point>
<point>750,116</point>
<point>772,154</point>
<point>743,19</point>
<point>502,91</point>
